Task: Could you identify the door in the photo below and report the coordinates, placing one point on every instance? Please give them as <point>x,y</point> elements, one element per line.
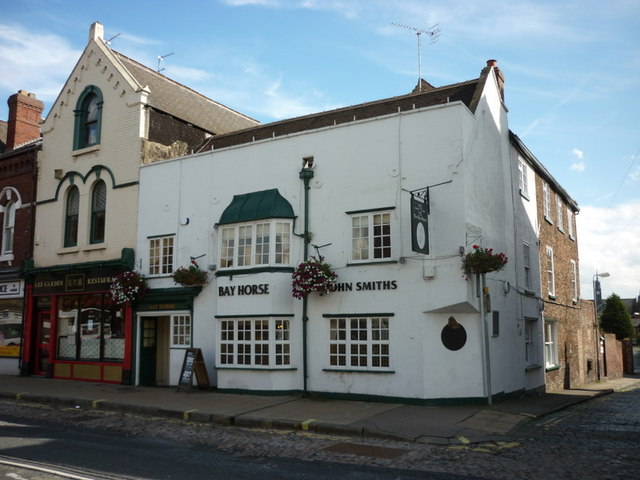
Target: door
<point>148,351</point>
<point>43,340</point>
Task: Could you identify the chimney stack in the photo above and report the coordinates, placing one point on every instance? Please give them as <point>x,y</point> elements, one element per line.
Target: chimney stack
<point>499,76</point>
<point>25,115</point>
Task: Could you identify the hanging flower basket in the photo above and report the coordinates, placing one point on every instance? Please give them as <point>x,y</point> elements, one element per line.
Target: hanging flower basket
<point>312,275</point>
<point>127,287</point>
<point>483,260</point>
<point>190,276</point>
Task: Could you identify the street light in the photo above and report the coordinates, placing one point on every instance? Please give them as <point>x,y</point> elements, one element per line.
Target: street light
<point>597,299</point>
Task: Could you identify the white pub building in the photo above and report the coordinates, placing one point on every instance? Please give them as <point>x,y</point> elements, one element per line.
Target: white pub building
<point>392,194</point>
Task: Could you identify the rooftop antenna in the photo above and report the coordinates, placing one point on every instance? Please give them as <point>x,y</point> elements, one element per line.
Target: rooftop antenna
<point>433,33</point>
<point>108,42</point>
<point>161,58</point>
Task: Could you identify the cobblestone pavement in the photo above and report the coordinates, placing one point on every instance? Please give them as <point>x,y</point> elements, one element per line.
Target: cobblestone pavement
<point>598,439</point>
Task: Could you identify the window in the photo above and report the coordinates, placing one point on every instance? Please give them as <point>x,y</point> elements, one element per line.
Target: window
<point>263,342</point>
<point>370,236</point>
<point>181,330</point>
<point>559,212</point>
<point>570,222</point>
<point>88,117</point>
<point>530,336</point>
<point>550,344</point>
<point>161,255</point>
<point>359,343</point>
<point>8,228</point>
<point>546,199</point>
<point>574,281</point>
<point>551,280</point>
<point>523,180</point>
<point>526,256</point>
<point>98,212</point>
<point>255,244</point>
<point>71,217</point>
<point>495,321</point>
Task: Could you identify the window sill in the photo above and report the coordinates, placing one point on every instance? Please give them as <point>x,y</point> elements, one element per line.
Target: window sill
<point>347,370</point>
<point>552,368</point>
<point>83,151</point>
<point>532,368</point>
<point>67,250</point>
<point>572,238</point>
<point>524,195</point>
<point>548,220</point>
<point>97,246</point>
<point>252,270</point>
<point>375,262</point>
<point>6,257</point>
<point>258,369</point>
<point>560,229</point>
<point>529,293</point>
<point>552,297</point>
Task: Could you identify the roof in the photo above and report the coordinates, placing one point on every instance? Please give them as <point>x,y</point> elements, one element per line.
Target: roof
<point>459,92</point>
<point>257,206</point>
<point>184,103</point>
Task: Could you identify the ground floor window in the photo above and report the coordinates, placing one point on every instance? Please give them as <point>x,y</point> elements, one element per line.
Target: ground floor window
<point>90,327</point>
<point>530,343</point>
<point>181,330</point>
<point>550,344</point>
<point>255,342</point>
<point>359,342</point>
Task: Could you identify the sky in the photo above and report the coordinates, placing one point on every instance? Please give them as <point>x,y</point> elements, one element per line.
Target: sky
<point>571,67</point>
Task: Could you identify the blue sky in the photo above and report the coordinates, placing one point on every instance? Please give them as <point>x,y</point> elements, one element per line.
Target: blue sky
<point>572,72</point>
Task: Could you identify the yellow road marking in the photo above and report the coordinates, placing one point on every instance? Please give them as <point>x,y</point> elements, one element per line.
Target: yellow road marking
<point>305,425</point>
<point>186,415</point>
<point>96,403</point>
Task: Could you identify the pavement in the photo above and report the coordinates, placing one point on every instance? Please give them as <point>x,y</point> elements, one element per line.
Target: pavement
<point>441,425</point>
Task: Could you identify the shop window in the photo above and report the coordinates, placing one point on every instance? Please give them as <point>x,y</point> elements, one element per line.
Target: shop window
<point>180,330</point>
<point>550,344</point>
<point>360,343</point>
<point>255,244</point>
<point>98,212</point>
<point>90,328</point>
<point>88,118</point>
<point>259,343</point>
<point>8,229</point>
<point>161,255</point>
<point>370,236</point>
<point>72,208</point>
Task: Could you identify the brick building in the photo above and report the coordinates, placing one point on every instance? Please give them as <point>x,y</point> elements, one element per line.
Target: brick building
<point>17,209</point>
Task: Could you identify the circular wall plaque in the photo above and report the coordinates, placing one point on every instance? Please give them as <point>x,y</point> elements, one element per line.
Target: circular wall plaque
<point>453,335</point>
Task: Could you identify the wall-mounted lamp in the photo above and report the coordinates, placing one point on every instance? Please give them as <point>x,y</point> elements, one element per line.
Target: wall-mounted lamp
<point>58,173</point>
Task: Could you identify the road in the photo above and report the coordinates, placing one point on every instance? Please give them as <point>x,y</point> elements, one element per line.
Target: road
<point>599,439</point>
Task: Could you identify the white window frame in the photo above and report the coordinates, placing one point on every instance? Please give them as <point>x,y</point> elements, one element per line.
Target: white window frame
<point>551,278</point>
<point>260,342</point>
<point>372,237</point>
<point>8,228</point>
<point>181,330</point>
<point>360,343</point>
<point>574,281</point>
<point>526,261</point>
<point>243,245</point>
<point>559,212</point>
<point>570,223</point>
<point>523,178</point>
<point>530,341</point>
<point>162,256</point>
<point>546,202</point>
<point>550,344</point>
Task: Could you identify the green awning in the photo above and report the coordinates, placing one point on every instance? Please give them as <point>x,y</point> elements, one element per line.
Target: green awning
<point>257,206</point>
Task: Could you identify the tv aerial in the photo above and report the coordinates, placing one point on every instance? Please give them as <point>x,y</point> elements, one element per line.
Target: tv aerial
<point>433,34</point>
<point>161,58</point>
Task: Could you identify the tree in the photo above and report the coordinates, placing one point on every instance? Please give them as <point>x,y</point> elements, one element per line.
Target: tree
<point>615,318</point>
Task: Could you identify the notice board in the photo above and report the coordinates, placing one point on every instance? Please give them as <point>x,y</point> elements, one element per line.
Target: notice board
<point>193,364</point>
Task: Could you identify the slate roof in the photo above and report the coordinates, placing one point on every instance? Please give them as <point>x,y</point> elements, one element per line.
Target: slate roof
<point>184,103</point>
<point>257,206</point>
<point>463,92</point>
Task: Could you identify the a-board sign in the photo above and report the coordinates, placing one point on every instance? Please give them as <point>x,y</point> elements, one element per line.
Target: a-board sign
<point>193,363</point>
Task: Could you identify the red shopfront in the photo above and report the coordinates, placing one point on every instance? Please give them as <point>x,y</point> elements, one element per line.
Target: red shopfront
<point>73,330</point>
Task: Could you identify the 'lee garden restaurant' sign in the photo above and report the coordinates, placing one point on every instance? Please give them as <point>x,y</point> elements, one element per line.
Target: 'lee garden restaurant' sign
<point>98,280</point>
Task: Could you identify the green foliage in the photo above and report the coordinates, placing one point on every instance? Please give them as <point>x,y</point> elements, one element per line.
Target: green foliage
<point>615,318</point>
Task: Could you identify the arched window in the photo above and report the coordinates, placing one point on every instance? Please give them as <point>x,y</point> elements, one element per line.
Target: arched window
<point>8,227</point>
<point>71,218</point>
<point>98,212</point>
<point>88,118</point>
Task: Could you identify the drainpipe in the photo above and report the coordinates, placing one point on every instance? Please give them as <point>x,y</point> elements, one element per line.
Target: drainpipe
<point>306,174</point>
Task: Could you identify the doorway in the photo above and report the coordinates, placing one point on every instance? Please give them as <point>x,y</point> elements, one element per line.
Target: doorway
<point>154,351</point>
<point>43,340</point>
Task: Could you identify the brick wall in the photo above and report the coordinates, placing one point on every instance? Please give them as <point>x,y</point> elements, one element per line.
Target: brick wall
<point>614,366</point>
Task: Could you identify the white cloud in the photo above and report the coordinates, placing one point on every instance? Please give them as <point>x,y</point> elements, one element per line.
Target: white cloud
<point>608,242</point>
<point>578,153</point>
<point>578,167</point>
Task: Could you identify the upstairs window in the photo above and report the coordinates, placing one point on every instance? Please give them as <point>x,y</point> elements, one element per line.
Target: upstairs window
<point>574,281</point>
<point>8,228</point>
<point>161,255</point>
<point>546,199</point>
<point>72,208</point>
<point>370,236</point>
<point>551,278</point>
<point>570,223</point>
<point>523,180</point>
<point>98,212</point>
<point>559,212</point>
<point>88,118</point>
<point>526,260</point>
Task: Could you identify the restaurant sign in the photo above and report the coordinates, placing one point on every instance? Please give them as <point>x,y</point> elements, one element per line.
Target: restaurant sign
<point>98,280</point>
